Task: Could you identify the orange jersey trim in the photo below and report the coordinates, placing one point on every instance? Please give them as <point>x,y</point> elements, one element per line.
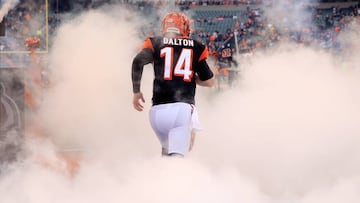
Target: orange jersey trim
<point>148,44</point>
<point>204,54</point>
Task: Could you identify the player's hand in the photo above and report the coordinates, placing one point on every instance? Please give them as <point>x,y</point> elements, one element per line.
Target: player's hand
<point>137,99</point>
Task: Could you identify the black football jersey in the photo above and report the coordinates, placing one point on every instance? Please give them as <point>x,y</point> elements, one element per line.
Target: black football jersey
<point>176,61</point>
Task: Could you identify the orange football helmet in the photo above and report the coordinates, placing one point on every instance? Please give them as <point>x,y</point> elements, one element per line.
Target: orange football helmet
<point>176,22</point>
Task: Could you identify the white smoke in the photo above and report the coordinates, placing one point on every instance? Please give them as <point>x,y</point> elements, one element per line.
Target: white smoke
<point>288,133</point>
<point>292,126</point>
<point>350,45</point>
<point>6,6</point>
<point>290,13</point>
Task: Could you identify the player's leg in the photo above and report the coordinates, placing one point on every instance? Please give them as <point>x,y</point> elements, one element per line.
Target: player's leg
<point>161,125</point>
<point>171,123</point>
<point>180,134</point>
<point>179,140</point>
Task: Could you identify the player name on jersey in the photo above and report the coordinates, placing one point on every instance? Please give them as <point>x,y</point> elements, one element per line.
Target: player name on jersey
<point>179,41</point>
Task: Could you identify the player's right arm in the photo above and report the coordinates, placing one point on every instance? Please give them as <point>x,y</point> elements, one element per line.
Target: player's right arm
<point>145,56</point>
<point>141,59</point>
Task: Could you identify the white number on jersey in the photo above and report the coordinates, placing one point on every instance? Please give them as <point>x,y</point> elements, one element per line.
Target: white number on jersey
<point>183,65</point>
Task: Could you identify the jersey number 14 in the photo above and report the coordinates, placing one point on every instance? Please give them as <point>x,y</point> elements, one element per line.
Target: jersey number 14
<point>183,65</point>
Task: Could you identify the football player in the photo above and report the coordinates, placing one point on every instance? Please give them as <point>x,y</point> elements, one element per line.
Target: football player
<point>179,65</point>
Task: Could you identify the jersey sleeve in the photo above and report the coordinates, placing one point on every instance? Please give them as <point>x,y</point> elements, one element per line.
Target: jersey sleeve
<point>204,55</point>
<point>148,45</point>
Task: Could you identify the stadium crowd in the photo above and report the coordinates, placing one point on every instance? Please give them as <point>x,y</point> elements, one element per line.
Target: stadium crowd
<point>26,20</point>
<point>250,28</point>
<point>259,32</point>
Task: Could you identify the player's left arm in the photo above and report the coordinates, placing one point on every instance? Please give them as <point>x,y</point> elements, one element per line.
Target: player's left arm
<point>204,75</point>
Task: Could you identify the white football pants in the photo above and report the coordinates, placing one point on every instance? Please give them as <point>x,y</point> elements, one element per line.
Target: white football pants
<point>172,124</point>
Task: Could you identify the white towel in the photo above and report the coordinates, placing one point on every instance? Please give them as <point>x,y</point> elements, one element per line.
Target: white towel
<point>195,123</point>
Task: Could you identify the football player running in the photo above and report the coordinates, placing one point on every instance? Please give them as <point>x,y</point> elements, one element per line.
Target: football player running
<point>179,65</point>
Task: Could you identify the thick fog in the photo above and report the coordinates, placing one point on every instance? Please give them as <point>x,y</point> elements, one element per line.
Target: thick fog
<point>288,132</point>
